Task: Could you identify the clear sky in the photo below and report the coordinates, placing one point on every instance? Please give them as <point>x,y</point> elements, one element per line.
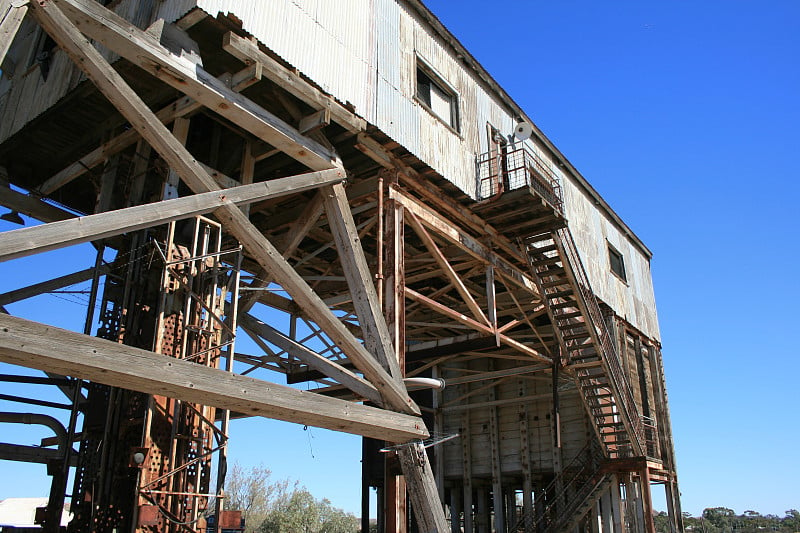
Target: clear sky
<point>684,116</point>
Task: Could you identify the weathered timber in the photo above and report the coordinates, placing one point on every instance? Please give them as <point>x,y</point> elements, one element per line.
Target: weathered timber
<point>11,15</point>
<point>359,279</point>
<point>144,120</point>
<point>34,345</point>
<point>143,50</point>
<point>31,206</point>
<point>249,52</point>
<point>49,285</point>
<point>28,241</point>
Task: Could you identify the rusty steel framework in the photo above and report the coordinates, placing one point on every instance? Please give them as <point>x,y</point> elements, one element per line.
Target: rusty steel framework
<point>250,194</point>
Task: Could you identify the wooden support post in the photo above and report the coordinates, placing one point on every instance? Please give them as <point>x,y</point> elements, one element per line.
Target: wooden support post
<point>647,500</point>
<point>455,510</point>
<point>11,14</point>
<point>67,353</point>
<point>422,488</point>
<point>607,514</point>
<point>494,453</point>
<point>394,312</point>
<point>616,505</point>
<point>466,466</point>
<point>248,168</point>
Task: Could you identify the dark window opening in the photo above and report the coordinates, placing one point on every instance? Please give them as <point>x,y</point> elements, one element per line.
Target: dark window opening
<point>437,97</point>
<point>617,263</point>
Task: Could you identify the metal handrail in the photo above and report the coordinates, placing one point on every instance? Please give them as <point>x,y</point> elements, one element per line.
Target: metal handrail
<point>516,166</point>
<point>577,478</point>
<point>612,361</point>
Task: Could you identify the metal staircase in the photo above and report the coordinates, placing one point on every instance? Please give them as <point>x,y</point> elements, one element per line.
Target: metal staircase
<point>590,355</point>
<point>570,495</point>
<point>585,340</point>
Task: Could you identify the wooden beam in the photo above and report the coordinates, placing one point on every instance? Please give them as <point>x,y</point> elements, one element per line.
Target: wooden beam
<point>249,52</point>
<point>451,274</point>
<point>455,315</point>
<point>141,49</point>
<point>177,157</point>
<point>463,240</point>
<point>359,279</point>
<point>31,206</point>
<point>182,107</point>
<point>11,14</point>
<point>28,241</point>
<point>322,364</point>
<point>35,345</point>
<point>422,488</point>
<point>314,121</point>
<point>48,286</point>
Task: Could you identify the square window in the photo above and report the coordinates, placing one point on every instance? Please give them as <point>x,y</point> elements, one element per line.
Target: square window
<point>617,263</point>
<point>437,96</point>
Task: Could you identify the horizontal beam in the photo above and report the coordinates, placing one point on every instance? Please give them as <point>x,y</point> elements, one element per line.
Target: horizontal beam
<point>28,241</point>
<point>143,50</point>
<point>34,345</point>
<point>50,285</point>
<point>33,207</point>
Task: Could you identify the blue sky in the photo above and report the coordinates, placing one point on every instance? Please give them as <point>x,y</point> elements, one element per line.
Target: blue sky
<point>684,116</point>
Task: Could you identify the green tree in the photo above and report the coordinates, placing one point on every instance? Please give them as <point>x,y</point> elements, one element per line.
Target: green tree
<point>300,512</point>
<point>253,493</point>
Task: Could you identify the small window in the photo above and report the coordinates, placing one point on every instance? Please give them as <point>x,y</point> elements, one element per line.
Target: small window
<point>437,96</point>
<point>617,263</point>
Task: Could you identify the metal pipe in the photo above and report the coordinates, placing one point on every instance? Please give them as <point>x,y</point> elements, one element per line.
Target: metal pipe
<point>37,419</point>
<point>424,383</point>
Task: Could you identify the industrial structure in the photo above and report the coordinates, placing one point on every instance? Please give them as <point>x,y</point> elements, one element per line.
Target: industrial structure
<point>343,183</point>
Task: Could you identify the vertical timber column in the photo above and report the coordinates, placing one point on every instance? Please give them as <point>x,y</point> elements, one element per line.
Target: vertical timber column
<point>395,496</point>
<point>647,500</point>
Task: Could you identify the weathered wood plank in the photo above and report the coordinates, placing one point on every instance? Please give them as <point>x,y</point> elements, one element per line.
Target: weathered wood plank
<point>141,49</point>
<point>28,241</point>
<point>422,488</point>
<point>11,15</point>
<point>33,207</point>
<point>35,345</point>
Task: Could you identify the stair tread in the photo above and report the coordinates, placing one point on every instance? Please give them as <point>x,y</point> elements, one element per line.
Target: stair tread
<point>565,316</point>
<point>560,294</point>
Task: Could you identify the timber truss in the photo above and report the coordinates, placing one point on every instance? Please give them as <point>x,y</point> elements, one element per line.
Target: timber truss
<point>378,269</point>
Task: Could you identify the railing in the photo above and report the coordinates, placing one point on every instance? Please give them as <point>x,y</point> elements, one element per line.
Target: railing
<point>620,384</point>
<point>566,492</point>
<point>513,167</point>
